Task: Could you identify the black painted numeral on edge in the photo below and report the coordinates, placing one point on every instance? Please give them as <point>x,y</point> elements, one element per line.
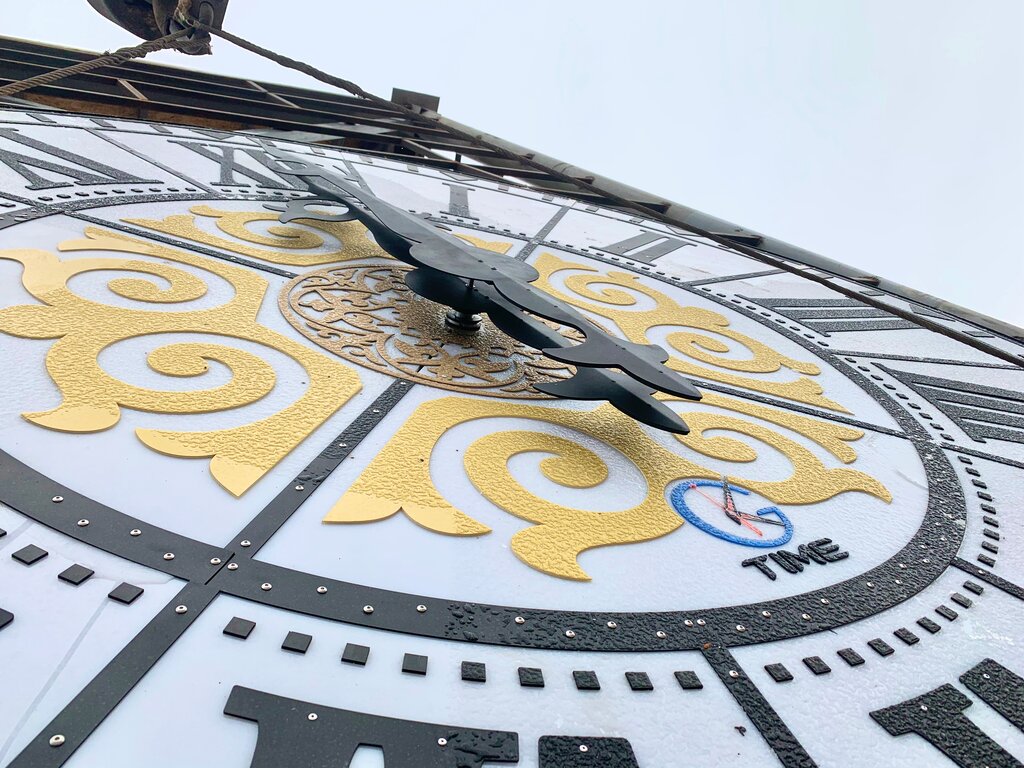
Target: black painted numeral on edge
<point>937,717</point>
<point>646,246</point>
<point>297,734</point>
<point>998,687</point>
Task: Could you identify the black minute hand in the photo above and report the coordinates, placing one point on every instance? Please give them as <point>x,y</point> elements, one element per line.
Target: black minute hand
<point>472,279</point>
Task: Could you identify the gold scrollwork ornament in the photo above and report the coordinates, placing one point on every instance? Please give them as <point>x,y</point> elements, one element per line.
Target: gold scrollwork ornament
<point>398,478</point>
<point>92,399</point>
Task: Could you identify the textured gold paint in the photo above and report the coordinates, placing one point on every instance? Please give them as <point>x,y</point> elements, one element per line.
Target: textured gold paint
<point>613,295</point>
<point>353,236</point>
<point>92,399</point>
<point>398,479</point>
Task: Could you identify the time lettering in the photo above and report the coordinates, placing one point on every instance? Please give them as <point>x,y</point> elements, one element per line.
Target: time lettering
<point>820,551</point>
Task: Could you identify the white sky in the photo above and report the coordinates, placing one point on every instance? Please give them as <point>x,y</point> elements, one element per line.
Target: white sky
<point>887,135</point>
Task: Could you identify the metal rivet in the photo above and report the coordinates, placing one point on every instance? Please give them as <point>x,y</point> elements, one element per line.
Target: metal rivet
<point>57,740</point>
<point>376,410</point>
<point>824,601</point>
<point>343,445</point>
<point>701,622</point>
<point>321,590</point>
<point>926,561</point>
<point>181,609</point>
<point>688,623</point>
<point>903,566</point>
<point>733,673</point>
<point>766,614</point>
<point>421,608</point>
<point>57,500</point>
<point>661,634</point>
<point>245,543</point>
<point>215,561</point>
<point>83,523</point>
<point>899,581</point>
<point>740,628</point>
<point>134,532</point>
<point>367,609</point>
<point>311,716</point>
<point>232,566</point>
<point>570,634</point>
<point>611,625</point>
<point>871,584</point>
<point>805,616</point>
<point>442,742</point>
<point>584,748</point>
<point>924,707</point>
<point>985,675</point>
<point>520,620</point>
<point>168,555</point>
<point>266,586</point>
<point>300,487</point>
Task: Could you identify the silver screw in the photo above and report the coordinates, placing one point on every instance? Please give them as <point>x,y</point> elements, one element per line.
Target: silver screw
<point>824,601</point>
<point>520,620</point>
<point>321,590</point>
<point>134,532</point>
<point>57,740</point>
<point>168,555</point>
<point>733,673</point>
<point>701,622</point>
<point>766,614</point>
<point>181,609</point>
<point>421,608</point>
<point>688,623</point>
<point>612,625</point>
<point>740,628</point>
<point>442,742</point>
<point>83,523</point>
<point>232,566</point>
<point>661,634</point>
<point>312,716</point>
<point>266,586</point>
<point>57,500</point>
<point>245,543</point>
<point>805,616</point>
<point>570,634</point>
<point>215,561</point>
<point>367,609</point>
<point>300,487</point>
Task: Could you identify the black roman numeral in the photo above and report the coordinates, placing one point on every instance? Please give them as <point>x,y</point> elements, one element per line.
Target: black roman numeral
<point>980,411</point>
<point>938,716</point>
<point>77,169</point>
<point>657,245</point>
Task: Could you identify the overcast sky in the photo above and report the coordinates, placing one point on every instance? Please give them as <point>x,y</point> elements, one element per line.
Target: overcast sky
<point>887,134</point>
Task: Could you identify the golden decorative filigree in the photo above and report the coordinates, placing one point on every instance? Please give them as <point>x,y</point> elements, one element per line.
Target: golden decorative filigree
<point>92,399</point>
<point>613,295</point>
<point>280,242</point>
<point>367,315</point>
<point>398,478</point>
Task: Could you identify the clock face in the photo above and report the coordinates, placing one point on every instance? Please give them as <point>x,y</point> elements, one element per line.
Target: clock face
<point>252,484</point>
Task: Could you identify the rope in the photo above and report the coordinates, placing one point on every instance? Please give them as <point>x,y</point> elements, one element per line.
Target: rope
<point>119,56</point>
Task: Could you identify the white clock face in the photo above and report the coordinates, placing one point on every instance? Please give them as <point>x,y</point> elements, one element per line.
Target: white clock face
<point>224,438</point>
